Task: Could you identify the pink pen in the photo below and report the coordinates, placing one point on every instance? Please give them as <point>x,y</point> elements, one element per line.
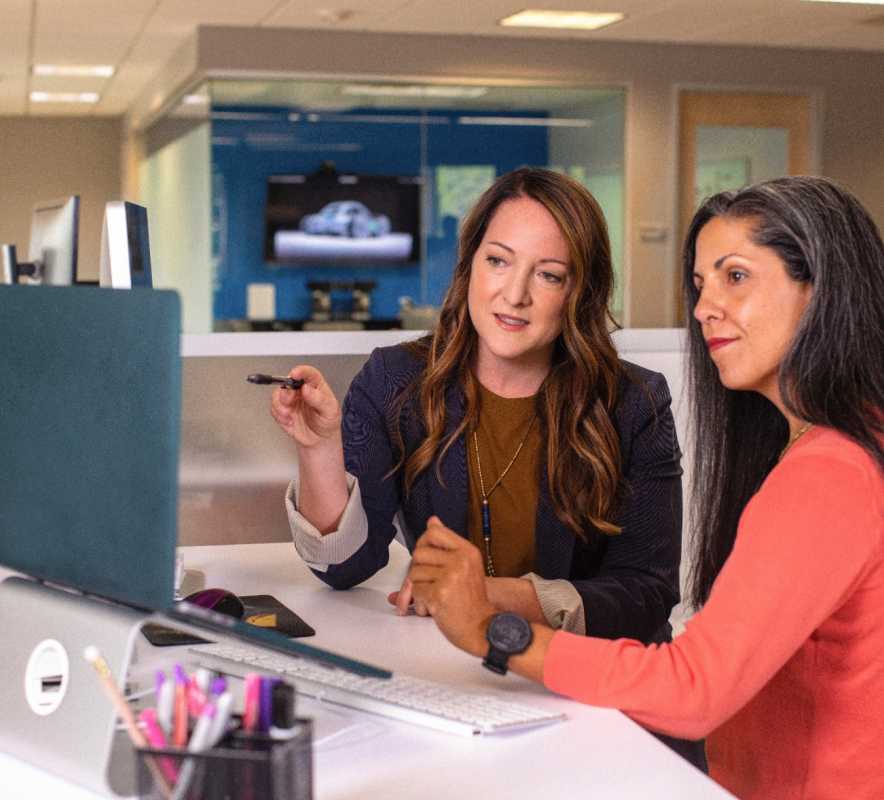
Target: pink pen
<point>157,739</point>
<point>196,698</point>
<point>180,719</point>
<point>251,700</point>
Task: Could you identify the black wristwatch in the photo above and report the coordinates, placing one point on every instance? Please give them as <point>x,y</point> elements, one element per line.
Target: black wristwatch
<point>508,635</point>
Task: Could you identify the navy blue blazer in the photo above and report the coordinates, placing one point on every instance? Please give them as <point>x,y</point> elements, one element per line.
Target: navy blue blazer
<point>629,582</point>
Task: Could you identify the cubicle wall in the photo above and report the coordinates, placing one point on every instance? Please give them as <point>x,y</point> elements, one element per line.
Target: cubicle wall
<point>236,463</point>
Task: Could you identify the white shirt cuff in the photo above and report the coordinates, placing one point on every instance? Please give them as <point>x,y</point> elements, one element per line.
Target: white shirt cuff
<point>318,551</point>
<point>560,602</point>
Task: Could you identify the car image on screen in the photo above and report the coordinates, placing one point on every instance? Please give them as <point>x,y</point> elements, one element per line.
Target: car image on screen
<point>345,218</point>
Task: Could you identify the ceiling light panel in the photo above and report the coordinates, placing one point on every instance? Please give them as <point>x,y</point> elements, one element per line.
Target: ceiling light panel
<point>64,97</point>
<point>570,20</point>
<point>74,70</point>
<point>195,100</point>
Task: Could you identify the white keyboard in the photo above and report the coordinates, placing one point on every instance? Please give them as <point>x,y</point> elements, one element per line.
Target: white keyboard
<point>401,697</point>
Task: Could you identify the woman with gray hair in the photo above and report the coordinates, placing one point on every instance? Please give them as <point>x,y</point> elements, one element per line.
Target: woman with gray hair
<point>781,668</point>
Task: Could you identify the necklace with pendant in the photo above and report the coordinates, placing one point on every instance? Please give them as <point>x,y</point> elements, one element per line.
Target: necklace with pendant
<point>486,495</point>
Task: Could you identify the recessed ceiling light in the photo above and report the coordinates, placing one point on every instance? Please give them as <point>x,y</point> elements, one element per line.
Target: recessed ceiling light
<point>74,70</point>
<point>195,100</point>
<point>576,20</point>
<point>388,90</point>
<point>64,97</point>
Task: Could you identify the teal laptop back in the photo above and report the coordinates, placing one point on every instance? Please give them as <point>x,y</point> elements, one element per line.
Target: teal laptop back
<point>90,399</point>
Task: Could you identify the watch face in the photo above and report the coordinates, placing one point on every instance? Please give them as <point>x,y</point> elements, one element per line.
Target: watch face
<point>509,633</point>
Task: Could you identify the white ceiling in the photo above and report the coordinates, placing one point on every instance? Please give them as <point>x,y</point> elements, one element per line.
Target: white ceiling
<point>138,36</point>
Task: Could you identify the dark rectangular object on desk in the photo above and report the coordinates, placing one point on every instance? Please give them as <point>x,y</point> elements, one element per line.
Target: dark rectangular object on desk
<point>261,610</point>
<point>265,611</point>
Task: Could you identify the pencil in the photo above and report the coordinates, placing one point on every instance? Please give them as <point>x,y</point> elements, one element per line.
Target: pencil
<point>94,657</point>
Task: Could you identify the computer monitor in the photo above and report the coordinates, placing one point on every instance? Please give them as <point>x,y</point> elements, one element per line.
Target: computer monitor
<point>8,264</point>
<point>52,254</point>
<point>125,247</point>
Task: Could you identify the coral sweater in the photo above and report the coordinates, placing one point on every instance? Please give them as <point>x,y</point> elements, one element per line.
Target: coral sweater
<point>783,668</point>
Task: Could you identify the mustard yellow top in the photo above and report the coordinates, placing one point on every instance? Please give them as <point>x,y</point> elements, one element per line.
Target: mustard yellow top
<point>502,423</point>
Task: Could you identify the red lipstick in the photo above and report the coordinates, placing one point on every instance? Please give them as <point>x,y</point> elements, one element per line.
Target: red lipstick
<point>715,343</point>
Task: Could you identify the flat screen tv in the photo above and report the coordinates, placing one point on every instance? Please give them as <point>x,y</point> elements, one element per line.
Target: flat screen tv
<point>338,218</point>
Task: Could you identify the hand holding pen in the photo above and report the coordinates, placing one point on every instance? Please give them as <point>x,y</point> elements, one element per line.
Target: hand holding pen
<point>312,419</point>
<point>310,416</point>
<point>265,380</point>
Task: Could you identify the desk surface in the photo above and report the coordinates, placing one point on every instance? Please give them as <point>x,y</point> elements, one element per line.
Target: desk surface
<point>596,752</point>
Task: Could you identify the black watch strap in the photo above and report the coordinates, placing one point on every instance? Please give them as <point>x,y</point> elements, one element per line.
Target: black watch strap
<point>508,635</point>
<point>496,660</point>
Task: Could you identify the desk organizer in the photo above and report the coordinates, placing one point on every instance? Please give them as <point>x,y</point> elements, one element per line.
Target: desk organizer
<point>243,767</point>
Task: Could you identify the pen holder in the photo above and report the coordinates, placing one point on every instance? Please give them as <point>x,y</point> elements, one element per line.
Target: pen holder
<point>244,766</point>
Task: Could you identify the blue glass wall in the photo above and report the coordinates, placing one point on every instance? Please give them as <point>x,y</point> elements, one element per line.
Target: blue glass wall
<point>250,144</point>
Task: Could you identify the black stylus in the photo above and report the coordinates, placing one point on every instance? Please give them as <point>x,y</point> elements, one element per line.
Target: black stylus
<point>289,383</point>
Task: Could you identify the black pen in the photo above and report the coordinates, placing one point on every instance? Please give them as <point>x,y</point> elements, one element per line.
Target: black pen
<point>289,383</point>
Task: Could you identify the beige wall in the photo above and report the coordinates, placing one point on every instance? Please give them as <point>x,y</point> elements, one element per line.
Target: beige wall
<point>45,158</point>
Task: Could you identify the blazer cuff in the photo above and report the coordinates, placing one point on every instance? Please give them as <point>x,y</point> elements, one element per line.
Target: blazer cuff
<point>561,603</point>
<point>318,551</point>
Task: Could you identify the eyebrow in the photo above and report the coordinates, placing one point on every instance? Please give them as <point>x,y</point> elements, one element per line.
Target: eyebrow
<point>725,257</point>
<point>542,260</point>
<point>716,264</point>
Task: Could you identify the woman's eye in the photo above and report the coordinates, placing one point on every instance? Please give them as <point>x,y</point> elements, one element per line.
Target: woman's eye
<point>552,278</point>
<point>494,261</point>
<point>736,276</point>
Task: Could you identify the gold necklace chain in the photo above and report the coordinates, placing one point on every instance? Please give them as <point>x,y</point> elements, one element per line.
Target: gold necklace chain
<point>794,438</point>
<point>486,510</point>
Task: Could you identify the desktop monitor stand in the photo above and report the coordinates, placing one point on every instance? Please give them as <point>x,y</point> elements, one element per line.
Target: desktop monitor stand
<point>55,712</point>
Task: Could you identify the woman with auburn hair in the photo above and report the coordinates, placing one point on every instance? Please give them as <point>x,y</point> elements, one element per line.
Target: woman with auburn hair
<point>782,667</point>
<point>515,423</point>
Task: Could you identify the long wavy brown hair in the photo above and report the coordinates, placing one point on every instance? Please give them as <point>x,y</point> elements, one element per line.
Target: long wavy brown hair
<point>576,400</point>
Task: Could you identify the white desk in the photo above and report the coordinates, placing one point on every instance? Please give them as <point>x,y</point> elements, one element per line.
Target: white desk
<point>596,752</point>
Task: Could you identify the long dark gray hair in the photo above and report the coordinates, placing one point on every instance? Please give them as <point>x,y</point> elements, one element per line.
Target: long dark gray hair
<point>832,374</point>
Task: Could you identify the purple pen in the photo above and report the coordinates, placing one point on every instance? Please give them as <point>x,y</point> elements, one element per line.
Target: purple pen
<point>265,696</point>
